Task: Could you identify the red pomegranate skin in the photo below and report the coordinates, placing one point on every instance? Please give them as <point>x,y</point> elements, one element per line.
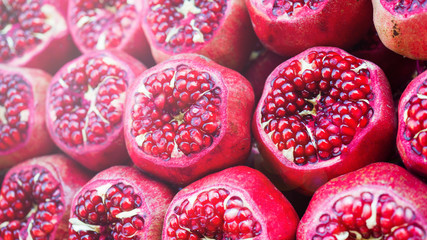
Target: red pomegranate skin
<point>154,198</point>
<point>53,50</point>
<point>260,197</point>
<point>400,190</point>
<point>111,150</point>
<point>369,144</point>
<point>64,178</point>
<point>231,146</point>
<point>411,129</point>
<point>314,23</point>
<point>23,92</point>
<point>399,26</point>
<point>228,42</point>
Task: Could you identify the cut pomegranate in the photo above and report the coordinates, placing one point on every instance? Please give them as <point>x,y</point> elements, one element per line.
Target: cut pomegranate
<point>236,203</point>
<point>36,196</point>
<point>119,203</point>
<point>101,25</point>
<point>399,26</point>
<point>324,113</point>
<point>289,27</point>
<point>85,105</point>
<point>187,117</point>
<point>379,201</point>
<point>218,29</point>
<point>412,130</point>
<point>23,132</point>
<point>34,33</point>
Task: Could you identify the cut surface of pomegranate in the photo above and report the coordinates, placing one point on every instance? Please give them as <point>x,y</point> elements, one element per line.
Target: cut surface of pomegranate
<point>236,203</point>
<point>100,25</point>
<point>288,27</point>
<point>323,113</point>
<point>119,203</point>
<point>187,117</point>
<point>23,132</point>
<point>412,130</point>
<point>379,201</point>
<point>199,26</point>
<point>84,107</point>
<point>398,25</point>
<point>34,33</point>
<point>36,195</point>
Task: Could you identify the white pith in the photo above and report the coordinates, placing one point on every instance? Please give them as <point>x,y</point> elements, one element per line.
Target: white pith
<point>3,119</point>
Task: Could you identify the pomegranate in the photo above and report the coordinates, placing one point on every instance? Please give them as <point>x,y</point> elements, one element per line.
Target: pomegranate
<point>34,33</point>
<point>119,203</point>
<point>412,130</point>
<point>187,117</point>
<point>36,196</point>
<point>236,203</point>
<point>379,201</point>
<point>218,29</point>
<point>288,27</point>
<point>399,26</point>
<point>84,107</point>
<point>323,113</point>
<point>23,132</point>
<point>100,25</point>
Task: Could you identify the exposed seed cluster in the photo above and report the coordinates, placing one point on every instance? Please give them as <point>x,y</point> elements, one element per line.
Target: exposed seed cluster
<point>15,97</point>
<point>181,24</point>
<point>214,214</point>
<point>87,101</point>
<point>315,106</point>
<point>30,201</point>
<point>367,217</point>
<point>102,24</point>
<point>405,6</point>
<point>176,112</point>
<point>288,7</point>
<point>104,211</point>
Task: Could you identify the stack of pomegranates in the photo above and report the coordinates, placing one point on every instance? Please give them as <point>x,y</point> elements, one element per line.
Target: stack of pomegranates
<point>213,119</point>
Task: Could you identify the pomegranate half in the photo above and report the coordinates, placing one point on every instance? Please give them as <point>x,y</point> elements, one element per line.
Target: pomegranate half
<point>84,107</point>
<point>236,203</point>
<point>23,132</point>
<point>187,117</point>
<point>119,203</point>
<point>36,196</point>
<point>323,113</point>
<point>379,201</point>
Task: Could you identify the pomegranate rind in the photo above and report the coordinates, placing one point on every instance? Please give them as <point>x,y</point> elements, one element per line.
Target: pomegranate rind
<point>376,178</point>
<point>414,162</point>
<point>234,35</point>
<point>68,174</point>
<point>401,33</point>
<point>38,141</point>
<point>155,196</point>
<point>370,144</point>
<point>231,147</point>
<point>112,152</point>
<point>334,23</point>
<point>265,201</point>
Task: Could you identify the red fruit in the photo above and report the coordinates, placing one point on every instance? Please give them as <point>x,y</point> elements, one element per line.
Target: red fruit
<point>100,25</point>
<point>23,132</point>
<point>236,203</point>
<point>399,24</point>
<point>289,27</point>
<point>218,29</point>
<point>35,34</point>
<point>412,130</point>
<point>324,113</point>
<point>119,203</point>
<point>36,196</point>
<point>379,201</point>
<point>187,117</point>
<point>85,105</point>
